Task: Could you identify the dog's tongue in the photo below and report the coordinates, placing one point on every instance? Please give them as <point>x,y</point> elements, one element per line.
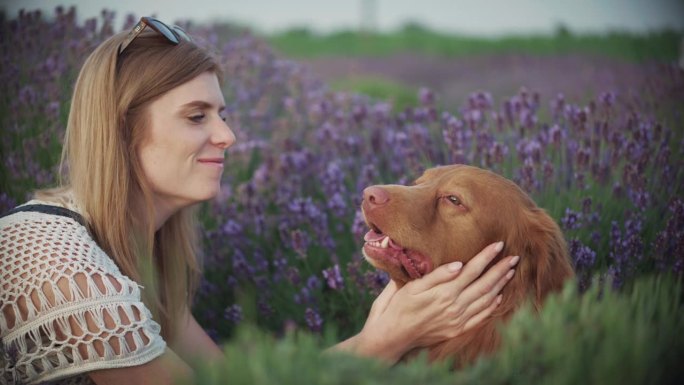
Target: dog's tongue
<point>372,236</point>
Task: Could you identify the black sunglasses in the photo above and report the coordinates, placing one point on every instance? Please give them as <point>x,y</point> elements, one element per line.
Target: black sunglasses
<point>173,33</point>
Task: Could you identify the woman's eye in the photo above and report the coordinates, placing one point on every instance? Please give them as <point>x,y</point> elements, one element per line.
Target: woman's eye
<point>197,118</point>
<point>454,199</point>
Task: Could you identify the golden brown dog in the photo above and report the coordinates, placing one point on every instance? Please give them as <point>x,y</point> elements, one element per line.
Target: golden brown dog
<point>451,214</point>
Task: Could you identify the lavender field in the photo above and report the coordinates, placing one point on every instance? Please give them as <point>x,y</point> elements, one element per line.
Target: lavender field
<point>282,242</point>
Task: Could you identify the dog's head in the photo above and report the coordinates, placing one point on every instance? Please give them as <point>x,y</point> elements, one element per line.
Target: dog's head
<point>450,214</point>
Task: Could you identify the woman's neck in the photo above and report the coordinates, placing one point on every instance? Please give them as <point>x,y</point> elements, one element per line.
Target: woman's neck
<point>161,211</point>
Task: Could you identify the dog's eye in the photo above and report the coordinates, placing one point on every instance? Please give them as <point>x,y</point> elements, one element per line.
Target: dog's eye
<point>454,199</point>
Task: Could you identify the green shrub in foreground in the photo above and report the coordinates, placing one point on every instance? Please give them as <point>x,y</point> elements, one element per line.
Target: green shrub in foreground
<point>599,337</point>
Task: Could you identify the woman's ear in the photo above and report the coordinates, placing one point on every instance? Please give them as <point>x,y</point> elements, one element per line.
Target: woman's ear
<point>544,262</point>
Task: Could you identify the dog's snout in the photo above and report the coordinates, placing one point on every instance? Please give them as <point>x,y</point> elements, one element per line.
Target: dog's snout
<point>375,195</point>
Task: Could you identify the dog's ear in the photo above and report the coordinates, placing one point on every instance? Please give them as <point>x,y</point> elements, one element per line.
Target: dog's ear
<point>544,263</point>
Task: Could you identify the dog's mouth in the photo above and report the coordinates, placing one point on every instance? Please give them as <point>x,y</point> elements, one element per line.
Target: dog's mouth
<point>382,248</point>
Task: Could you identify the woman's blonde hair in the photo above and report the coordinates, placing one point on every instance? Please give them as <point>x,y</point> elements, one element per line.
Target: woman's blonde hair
<point>106,126</point>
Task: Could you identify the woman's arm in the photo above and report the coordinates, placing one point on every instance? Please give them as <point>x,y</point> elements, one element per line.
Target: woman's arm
<point>439,306</point>
<point>192,343</point>
<point>166,369</point>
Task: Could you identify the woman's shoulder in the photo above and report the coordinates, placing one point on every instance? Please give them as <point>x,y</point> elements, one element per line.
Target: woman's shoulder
<point>44,238</point>
<point>46,205</point>
<point>44,230</point>
<point>41,241</point>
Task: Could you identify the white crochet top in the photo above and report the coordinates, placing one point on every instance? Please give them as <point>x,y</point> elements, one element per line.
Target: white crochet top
<point>58,293</point>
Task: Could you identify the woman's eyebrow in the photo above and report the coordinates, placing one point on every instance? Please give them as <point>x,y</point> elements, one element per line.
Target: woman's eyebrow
<point>202,104</point>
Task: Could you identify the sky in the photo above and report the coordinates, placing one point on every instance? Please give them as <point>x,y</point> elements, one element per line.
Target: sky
<point>472,17</point>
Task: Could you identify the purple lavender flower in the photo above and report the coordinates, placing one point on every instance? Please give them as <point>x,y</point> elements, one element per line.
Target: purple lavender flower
<point>615,275</point>
<point>376,281</point>
<point>583,256</point>
<point>571,220</point>
<point>626,248</point>
<point>302,297</point>
<point>426,96</point>
<point>313,320</point>
<point>618,191</point>
<point>259,261</point>
<point>668,246</point>
<point>480,100</point>
<point>337,205</point>
<point>313,283</point>
<point>580,181</point>
<point>300,242</point>
<point>264,307</point>
<point>280,264</point>
<point>496,154</point>
<point>233,314</point>
<point>640,198</point>
<point>582,158</point>
<point>333,277</point>
<point>293,275</point>
<point>207,288</point>
<point>241,268</point>
<point>556,135</point>
<point>262,282</point>
<point>531,149</point>
<point>528,180</point>
<point>231,228</point>
<point>231,282</point>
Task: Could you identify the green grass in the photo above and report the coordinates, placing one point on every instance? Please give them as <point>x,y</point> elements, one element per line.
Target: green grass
<point>379,88</point>
<point>302,43</point>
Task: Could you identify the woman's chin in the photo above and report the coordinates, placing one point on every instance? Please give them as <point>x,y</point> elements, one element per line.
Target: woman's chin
<point>212,193</point>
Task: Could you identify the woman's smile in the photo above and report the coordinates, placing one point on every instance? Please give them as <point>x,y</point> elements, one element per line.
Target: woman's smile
<point>212,162</point>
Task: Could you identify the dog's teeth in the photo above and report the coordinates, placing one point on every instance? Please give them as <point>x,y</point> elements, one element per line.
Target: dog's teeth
<point>385,242</point>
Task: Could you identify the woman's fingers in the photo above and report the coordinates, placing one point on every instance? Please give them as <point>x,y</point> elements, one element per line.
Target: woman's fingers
<point>482,315</point>
<point>475,267</point>
<point>490,284</point>
<point>381,302</point>
<point>484,301</point>
<point>441,274</point>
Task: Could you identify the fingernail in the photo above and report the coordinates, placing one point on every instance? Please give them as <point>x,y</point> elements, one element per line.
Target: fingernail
<point>510,273</point>
<point>514,260</point>
<point>499,298</point>
<point>498,247</point>
<point>455,266</point>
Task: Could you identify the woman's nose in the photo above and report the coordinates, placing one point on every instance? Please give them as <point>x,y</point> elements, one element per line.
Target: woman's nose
<point>222,135</point>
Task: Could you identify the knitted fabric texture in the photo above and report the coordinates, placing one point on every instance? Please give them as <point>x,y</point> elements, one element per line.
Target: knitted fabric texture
<point>65,308</point>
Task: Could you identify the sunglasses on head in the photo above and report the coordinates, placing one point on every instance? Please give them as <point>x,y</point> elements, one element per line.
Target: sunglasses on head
<point>173,33</point>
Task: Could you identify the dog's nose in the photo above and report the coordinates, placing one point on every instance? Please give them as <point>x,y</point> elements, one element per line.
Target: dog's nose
<point>375,195</point>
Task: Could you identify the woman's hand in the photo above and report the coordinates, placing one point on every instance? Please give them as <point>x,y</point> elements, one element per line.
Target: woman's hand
<point>439,306</point>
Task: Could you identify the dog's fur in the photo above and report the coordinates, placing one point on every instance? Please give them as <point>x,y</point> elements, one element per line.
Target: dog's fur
<point>422,220</point>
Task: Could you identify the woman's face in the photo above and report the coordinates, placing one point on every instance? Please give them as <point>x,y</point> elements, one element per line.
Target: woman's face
<point>183,150</point>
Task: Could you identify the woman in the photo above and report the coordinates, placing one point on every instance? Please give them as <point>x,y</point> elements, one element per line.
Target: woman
<point>145,141</point>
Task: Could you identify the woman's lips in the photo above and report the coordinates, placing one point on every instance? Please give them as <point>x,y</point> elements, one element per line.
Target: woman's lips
<point>215,162</point>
